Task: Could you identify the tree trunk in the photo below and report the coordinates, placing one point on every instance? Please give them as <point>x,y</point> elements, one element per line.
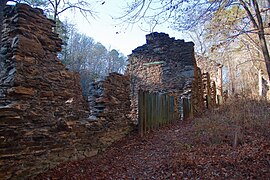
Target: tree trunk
<point>265,52</point>
<point>262,38</point>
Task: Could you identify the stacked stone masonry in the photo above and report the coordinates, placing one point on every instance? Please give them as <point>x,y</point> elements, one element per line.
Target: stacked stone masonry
<point>215,73</point>
<point>43,115</point>
<point>204,90</point>
<point>163,65</point>
<point>198,93</point>
<point>109,100</point>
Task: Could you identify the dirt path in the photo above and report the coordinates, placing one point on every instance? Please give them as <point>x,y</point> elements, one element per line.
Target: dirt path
<point>169,154</point>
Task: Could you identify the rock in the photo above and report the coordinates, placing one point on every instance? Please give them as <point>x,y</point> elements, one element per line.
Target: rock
<point>22,91</point>
<point>27,45</point>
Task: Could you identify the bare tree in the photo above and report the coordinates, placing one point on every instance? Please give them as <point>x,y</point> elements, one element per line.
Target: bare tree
<point>57,7</point>
<point>186,14</point>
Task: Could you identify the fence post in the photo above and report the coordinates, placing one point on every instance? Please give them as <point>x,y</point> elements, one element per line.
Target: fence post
<point>145,112</point>
<point>140,112</point>
<point>186,108</point>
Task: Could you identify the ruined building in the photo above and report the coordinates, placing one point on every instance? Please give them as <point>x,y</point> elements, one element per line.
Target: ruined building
<point>163,65</point>
<point>45,120</point>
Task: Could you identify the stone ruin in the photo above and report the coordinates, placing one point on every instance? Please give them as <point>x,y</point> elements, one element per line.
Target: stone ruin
<point>109,100</point>
<point>214,71</point>
<point>44,118</point>
<point>163,65</point>
<point>43,114</point>
<point>168,66</point>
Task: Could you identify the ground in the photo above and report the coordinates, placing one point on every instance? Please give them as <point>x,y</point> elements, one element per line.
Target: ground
<point>181,150</point>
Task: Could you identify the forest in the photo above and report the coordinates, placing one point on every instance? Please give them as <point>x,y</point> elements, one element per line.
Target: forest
<point>234,33</point>
<point>47,130</point>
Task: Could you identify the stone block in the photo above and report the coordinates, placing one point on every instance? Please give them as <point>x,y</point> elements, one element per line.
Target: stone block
<point>46,94</point>
<point>19,90</point>
<point>27,46</point>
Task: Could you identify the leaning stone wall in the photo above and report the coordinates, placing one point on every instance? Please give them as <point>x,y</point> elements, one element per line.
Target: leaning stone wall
<point>162,65</point>
<point>40,100</point>
<point>43,115</point>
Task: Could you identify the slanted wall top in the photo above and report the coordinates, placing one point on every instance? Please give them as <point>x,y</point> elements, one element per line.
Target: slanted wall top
<point>162,64</point>
<point>160,47</point>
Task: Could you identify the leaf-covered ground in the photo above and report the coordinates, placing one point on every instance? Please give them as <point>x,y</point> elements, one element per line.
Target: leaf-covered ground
<point>224,144</point>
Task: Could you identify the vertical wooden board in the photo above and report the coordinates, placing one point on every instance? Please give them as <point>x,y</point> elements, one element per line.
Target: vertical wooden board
<point>140,112</point>
<point>171,109</point>
<point>164,109</point>
<point>145,112</point>
<point>154,111</point>
<point>190,108</point>
<point>150,111</point>
<point>157,110</point>
<point>161,109</point>
<point>185,108</point>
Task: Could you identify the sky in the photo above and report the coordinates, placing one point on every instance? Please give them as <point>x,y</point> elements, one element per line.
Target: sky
<point>108,32</point>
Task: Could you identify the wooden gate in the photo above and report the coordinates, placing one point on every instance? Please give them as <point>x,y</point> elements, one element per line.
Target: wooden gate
<point>155,110</point>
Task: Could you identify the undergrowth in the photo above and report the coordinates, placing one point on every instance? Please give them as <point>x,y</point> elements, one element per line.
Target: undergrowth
<point>235,123</point>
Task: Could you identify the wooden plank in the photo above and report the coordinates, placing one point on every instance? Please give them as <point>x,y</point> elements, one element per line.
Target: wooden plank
<point>145,112</point>
<point>190,108</point>
<point>154,111</point>
<point>140,112</point>
<point>185,108</point>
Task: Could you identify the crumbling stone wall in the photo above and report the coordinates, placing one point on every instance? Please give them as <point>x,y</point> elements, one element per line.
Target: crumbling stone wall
<point>162,65</point>
<point>109,101</point>
<point>204,92</point>
<point>43,115</point>
<point>198,93</point>
<point>209,91</point>
<point>39,99</point>
<point>215,74</point>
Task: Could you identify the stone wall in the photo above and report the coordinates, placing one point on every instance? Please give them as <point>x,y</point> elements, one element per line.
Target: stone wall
<point>43,115</point>
<point>215,73</point>
<point>198,93</point>
<point>162,65</point>
<point>109,101</point>
<point>204,92</point>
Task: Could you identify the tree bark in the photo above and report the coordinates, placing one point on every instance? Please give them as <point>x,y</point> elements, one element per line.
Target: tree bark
<point>262,38</point>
